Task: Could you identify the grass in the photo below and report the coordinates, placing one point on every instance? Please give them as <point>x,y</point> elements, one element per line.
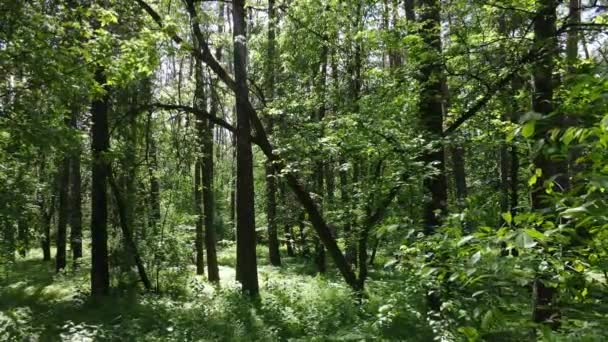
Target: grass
<point>38,305</point>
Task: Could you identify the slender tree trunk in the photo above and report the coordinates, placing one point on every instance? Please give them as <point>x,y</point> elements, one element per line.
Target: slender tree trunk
<point>271,179</point>
<point>198,210</point>
<point>22,234</point>
<point>154,185</point>
<point>431,113</point>
<point>46,213</point>
<point>207,169</point>
<point>100,275</point>
<point>545,310</point>
<point>63,214</point>
<point>201,128</point>
<point>245,212</point>
<point>320,165</point>
<point>288,226</point>
<point>460,180</point>
<point>208,172</point>
<point>75,198</point>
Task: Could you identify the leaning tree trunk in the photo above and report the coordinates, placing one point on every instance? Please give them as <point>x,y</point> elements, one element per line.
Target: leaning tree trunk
<point>127,232</point>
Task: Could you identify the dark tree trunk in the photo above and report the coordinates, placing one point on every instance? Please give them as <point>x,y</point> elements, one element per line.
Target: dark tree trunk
<point>431,113</point>
<point>271,179</point>
<point>545,310</point>
<point>460,180</point>
<point>46,213</point>
<point>199,185</point>
<point>75,198</point>
<point>22,234</point>
<point>320,165</point>
<point>207,176</point>
<point>100,274</point>
<point>287,222</point>
<point>154,185</point>
<point>207,169</point>
<point>198,210</point>
<point>505,169</point>
<point>63,213</point>
<point>245,213</point>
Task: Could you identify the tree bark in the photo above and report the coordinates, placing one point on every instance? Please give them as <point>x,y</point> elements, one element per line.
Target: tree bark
<point>460,180</point>
<point>545,39</point>
<point>198,211</point>
<point>100,274</point>
<point>63,213</point>
<point>199,185</point>
<point>431,113</point>
<point>271,176</point>
<point>154,185</point>
<point>245,212</point>
<point>213,272</point>
<point>75,198</point>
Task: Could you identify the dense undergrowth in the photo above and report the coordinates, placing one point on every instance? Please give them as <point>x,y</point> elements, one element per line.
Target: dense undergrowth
<point>37,304</point>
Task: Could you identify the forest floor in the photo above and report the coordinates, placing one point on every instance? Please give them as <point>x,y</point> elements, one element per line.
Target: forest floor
<point>37,304</point>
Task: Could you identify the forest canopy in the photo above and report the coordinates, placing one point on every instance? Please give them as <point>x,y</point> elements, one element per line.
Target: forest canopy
<point>303,170</point>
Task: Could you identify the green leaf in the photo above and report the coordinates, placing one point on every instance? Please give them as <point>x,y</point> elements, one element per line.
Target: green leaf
<point>535,234</point>
<point>475,258</point>
<point>507,217</point>
<point>523,240</point>
<point>464,240</point>
<point>532,180</point>
<point>528,129</point>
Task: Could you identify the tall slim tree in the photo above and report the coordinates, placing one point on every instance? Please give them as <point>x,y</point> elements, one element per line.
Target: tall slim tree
<point>245,212</point>
<point>62,213</point>
<point>431,102</point>
<point>201,104</point>
<point>271,179</point>
<point>75,196</point>
<point>208,167</point>
<point>545,39</point>
<point>100,274</point>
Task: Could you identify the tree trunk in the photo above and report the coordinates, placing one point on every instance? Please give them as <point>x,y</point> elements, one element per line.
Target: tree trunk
<point>545,38</point>
<point>63,213</point>
<point>207,168</point>
<point>154,185</point>
<point>201,127</point>
<point>271,179</point>
<point>75,198</point>
<point>100,274</point>
<point>198,211</point>
<point>245,212</point>
<point>431,113</point>
<point>460,180</point>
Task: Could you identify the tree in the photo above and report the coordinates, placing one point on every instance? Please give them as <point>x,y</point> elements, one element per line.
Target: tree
<point>545,38</point>
<point>100,274</point>
<point>271,176</point>
<point>245,211</point>
<point>431,108</point>
<point>75,197</point>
